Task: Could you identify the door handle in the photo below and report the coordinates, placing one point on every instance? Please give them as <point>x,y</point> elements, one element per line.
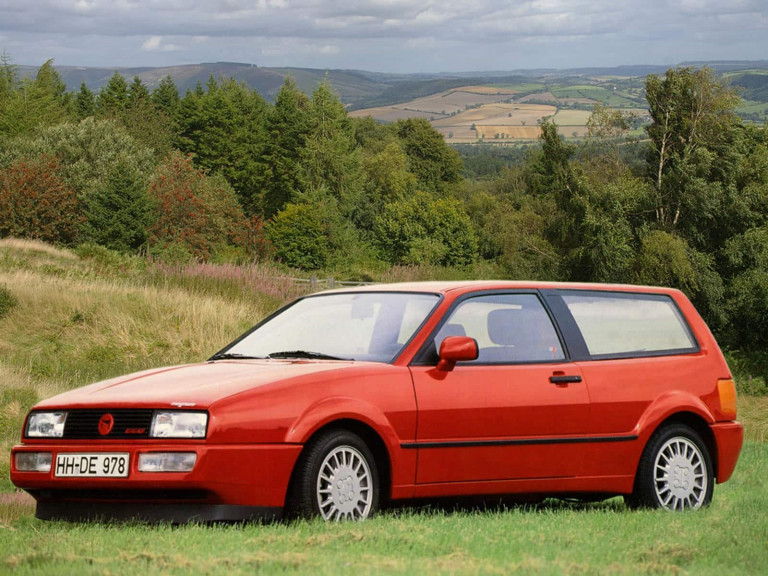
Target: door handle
<point>568,379</point>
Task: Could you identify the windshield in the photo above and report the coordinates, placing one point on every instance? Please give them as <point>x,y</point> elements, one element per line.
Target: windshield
<point>351,326</point>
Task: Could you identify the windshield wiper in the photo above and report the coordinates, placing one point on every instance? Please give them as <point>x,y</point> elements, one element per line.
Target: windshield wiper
<point>233,356</point>
<point>304,354</point>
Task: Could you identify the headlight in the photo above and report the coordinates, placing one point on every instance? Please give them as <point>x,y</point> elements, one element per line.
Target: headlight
<point>46,424</point>
<point>179,425</point>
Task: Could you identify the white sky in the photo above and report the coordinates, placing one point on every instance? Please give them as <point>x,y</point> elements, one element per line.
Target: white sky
<point>384,35</point>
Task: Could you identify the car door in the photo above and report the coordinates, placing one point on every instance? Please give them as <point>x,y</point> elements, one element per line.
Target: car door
<point>518,411</point>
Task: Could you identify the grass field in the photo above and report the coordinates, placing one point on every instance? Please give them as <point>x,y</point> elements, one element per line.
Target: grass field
<point>596,93</point>
<point>730,537</point>
<point>91,314</point>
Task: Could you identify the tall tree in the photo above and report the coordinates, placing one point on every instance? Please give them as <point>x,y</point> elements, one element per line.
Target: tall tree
<point>117,213</point>
<point>113,97</point>
<point>281,174</point>
<point>693,121</point>
<point>166,96</point>
<point>41,101</point>
<point>85,102</point>
<point>330,158</point>
<point>223,127</point>
<point>9,76</point>
<point>435,164</point>
<point>137,92</point>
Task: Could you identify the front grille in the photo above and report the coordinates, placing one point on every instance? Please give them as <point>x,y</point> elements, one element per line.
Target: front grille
<point>128,424</point>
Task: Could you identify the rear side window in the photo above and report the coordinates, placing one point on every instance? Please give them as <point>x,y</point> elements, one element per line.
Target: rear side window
<point>627,325</point>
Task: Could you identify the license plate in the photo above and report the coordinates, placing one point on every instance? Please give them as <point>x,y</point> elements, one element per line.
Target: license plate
<point>92,465</point>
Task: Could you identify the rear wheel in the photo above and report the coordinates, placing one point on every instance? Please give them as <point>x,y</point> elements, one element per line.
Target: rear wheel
<point>336,478</point>
<point>675,471</point>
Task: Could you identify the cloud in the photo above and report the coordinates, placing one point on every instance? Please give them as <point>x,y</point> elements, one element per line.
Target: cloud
<point>155,44</point>
<point>387,35</point>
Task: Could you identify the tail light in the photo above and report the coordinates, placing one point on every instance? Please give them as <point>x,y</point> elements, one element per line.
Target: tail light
<point>726,389</point>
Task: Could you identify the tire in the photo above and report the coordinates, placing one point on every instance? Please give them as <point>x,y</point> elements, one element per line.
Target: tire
<point>675,471</point>
<point>335,478</point>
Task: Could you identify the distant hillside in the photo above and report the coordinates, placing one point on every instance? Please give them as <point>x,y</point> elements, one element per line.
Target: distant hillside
<point>352,86</point>
<point>363,89</point>
<point>753,84</point>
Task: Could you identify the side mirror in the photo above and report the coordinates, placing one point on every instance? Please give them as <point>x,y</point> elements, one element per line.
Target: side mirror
<point>456,349</point>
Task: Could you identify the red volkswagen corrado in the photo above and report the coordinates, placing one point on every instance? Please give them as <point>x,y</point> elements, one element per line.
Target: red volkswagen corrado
<point>346,400</point>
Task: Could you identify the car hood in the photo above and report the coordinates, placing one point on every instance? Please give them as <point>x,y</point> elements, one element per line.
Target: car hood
<point>193,385</point>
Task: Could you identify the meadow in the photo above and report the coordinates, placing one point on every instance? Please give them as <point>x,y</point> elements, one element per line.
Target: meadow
<point>82,315</point>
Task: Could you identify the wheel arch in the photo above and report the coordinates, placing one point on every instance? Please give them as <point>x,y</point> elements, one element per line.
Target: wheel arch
<point>368,435</point>
<point>694,421</point>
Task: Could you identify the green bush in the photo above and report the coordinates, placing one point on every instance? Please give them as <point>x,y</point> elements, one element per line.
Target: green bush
<point>298,237</point>
<point>423,229</point>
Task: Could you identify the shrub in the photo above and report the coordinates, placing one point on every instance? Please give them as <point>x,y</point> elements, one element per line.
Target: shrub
<point>36,203</point>
<point>193,213</point>
<point>423,229</point>
<point>298,237</point>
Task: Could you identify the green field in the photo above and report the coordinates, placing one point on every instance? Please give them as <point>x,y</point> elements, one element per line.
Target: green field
<point>730,537</point>
<point>522,87</point>
<point>90,314</point>
<point>598,93</point>
<point>754,111</point>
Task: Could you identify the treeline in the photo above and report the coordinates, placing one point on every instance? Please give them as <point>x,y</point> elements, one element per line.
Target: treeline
<point>219,174</point>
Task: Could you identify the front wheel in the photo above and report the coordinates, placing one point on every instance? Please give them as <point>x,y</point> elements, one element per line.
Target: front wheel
<point>675,471</point>
<point>336,478</point>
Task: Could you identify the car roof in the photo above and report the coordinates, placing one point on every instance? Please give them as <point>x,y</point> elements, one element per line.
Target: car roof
<point>445,287</point>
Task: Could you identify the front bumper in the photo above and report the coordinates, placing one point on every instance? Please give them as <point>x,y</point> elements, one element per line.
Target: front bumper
<point>234,482</point>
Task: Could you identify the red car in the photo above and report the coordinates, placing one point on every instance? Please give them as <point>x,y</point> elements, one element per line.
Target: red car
<point>346,400</point>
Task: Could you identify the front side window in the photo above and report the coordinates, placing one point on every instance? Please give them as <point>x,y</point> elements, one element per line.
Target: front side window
<point>509,328</point>
<point>618,324</point>
<point>351,326</point>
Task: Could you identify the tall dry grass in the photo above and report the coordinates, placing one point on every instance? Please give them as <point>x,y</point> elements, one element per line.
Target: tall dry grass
<point>753,413</point>
<point>76,322</point>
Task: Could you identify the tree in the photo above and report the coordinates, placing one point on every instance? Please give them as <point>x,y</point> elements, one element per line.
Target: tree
<point>435,164</point>
<point>85,102</point>
<point>223,128</point>
<point>166,96</point>
<point>36,202</point>
<point>137,92</point>
<point>606,135</point>
<point>117,214</point>
<point>32,103</point>
<point>330,158</point>
<point>87,151</point>
<point>281,176</point>
<point>423,228</point>
<point>693,119</point>
<point>195,214</point>
<point>113,97</point>
<point>298,236</point>
<point>9,76</point>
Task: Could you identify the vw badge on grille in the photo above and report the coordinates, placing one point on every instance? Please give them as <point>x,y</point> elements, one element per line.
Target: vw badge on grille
<point>106,423</point>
